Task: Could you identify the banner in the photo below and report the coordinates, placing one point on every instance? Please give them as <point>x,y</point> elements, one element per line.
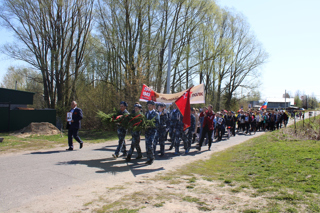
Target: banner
<point>196,95</point>
<point>183,104</point>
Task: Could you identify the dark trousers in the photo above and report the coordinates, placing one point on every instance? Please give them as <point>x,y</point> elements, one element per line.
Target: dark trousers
<point>247,125</point>
<point>271,124</point>
<point>135,143</point>
<point>205,131</point>
<point>73,132</point>
<point>194,138</point>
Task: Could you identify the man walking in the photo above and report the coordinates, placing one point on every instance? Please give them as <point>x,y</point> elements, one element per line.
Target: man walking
<point>121,132</point>
<point>151,132</point>
<point>74,125</point>
<point>161,129</point>
<point>135,143</point>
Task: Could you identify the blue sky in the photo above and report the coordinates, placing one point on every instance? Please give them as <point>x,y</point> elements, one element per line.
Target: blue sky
<point>288,30</point>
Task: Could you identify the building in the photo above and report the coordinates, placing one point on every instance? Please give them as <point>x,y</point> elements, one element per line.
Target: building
<point>14,113</point>
<point>279,103</point>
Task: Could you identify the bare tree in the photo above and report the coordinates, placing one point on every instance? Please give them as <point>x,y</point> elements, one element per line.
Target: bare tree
<point>52,38</point>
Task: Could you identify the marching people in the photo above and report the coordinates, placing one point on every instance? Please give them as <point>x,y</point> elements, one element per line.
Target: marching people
<point>121,132</point>
<point>253,124</point>
<point>167,112</point>
<point>197,124</point>
<point>192,127</point>
<point>229,123</point>
<point>285,119</point>
<point>187,134</point>
<point>234,124</point>
<point>74,125</point>
<point>207,126</point>
<point>272,120</point>
<point>247,120</point>
<point>151,131</point>
<point>135,143</point>
<point>176,125</point>
<point>258,121</point>
<point>220,125</point>
<point>161,129</point>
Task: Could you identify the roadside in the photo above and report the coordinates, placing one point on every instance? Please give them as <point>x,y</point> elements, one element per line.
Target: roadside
<point>59,181</point>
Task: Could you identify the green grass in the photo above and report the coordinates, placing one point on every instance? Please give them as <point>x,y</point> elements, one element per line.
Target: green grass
<point>280,169</point>
<point>15,144</point>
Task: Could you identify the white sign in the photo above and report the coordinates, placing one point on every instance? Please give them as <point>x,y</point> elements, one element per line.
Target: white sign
<point>69,116</point>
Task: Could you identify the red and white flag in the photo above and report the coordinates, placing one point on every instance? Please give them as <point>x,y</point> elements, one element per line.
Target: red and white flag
<point>183,104</point>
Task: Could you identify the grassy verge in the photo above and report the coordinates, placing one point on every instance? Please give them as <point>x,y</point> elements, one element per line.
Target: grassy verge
<point>15,144</point>
<point>271,166</point>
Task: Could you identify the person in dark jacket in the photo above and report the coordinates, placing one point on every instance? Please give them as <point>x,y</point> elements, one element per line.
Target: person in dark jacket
<point>74,125</point>
<point>161,129</point>
<point>220,125</point>
<point>229,123</point>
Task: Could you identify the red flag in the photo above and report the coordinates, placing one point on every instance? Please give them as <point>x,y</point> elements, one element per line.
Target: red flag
<point>147,94</point>
<point>183,104</point>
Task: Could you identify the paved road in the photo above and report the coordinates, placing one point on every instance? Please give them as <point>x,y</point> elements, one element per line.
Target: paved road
<point>25,178</point>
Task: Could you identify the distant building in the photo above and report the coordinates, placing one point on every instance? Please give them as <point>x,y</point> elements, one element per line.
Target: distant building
<point>275,103</point>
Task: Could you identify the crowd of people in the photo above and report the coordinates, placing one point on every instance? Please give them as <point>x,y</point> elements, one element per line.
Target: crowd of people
<point>206,126</point>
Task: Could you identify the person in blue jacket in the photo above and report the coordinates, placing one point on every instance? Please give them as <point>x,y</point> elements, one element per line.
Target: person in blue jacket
<point>150,132</point>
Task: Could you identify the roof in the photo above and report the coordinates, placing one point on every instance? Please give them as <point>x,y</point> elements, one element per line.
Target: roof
<point>281,100</point>
<point>15,96</point>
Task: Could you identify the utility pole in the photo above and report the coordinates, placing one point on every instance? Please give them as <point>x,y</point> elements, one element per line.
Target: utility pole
<point>285,99</point>
<point>169,67</point>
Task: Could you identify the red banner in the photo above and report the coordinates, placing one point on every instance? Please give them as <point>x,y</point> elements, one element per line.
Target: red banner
<point>183,104</point>
<point>147,94</point>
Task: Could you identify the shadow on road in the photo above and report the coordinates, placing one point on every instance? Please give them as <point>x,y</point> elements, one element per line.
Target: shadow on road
<point>45,153</point>
<point>114,166</point>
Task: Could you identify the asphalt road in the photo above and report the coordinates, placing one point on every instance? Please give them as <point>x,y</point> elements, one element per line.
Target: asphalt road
<point>26,177</point>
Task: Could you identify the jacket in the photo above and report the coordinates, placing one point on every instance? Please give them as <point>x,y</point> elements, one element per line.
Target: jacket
<point>208,119</point>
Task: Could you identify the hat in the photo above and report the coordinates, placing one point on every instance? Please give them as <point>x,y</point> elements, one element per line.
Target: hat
<point>161,104</point>
<point>124,103</point>
<point>138,105</point>
<point>150,102</point>
<point>192,109</point>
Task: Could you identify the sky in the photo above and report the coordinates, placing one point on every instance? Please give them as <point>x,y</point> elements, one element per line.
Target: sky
<point>289,31</point>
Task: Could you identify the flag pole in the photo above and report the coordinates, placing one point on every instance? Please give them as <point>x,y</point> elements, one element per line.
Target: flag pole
<point>169,66</point>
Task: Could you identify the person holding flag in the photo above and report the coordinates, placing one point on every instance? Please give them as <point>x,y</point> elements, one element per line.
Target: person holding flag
<point>183,104</point>
<point>176,125</point>
<point>191,131</point>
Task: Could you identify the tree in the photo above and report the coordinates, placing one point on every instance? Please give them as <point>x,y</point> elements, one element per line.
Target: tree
<point>52,37</point>
<point>247,57</point>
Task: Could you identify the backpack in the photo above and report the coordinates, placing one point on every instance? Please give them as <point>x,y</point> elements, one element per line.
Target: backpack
<point>272,118</point>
